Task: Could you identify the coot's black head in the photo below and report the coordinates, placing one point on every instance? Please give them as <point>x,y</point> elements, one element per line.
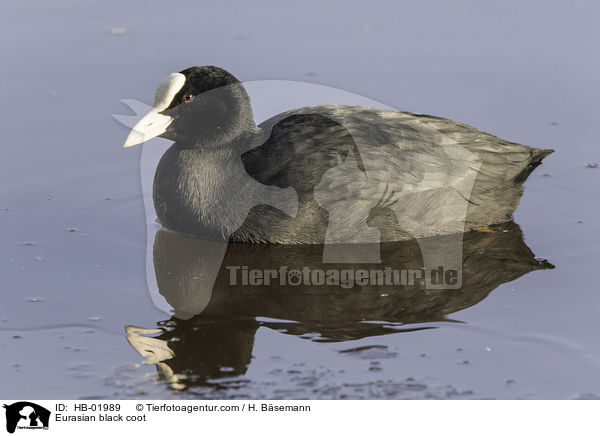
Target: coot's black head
<point>197,107</point>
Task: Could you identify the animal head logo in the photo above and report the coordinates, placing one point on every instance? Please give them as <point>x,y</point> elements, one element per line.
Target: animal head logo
<point>26,415</point>
<point>347,199</point>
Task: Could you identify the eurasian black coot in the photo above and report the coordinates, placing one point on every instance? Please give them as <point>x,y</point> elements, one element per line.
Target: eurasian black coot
<point>315,174</point>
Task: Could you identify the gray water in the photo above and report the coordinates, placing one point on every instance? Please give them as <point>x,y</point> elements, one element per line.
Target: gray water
<point>73,240</point>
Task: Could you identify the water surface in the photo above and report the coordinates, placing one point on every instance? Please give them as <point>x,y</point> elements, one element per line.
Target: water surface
<point>73,245</point>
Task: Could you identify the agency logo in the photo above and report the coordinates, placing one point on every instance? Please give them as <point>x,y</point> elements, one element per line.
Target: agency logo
<point>348,197</point>
<point>26,415</point>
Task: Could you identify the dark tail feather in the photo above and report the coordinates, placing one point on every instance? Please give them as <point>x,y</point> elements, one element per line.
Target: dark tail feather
<point>537,155</point>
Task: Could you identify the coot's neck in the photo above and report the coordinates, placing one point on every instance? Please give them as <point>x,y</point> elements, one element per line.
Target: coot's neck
<point>237,143</point>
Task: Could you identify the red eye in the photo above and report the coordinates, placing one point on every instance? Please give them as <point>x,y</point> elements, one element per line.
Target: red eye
<point>187,98</point>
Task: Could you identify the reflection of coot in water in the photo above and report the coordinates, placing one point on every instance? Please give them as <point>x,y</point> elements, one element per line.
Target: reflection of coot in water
<point>299,151</point>
<point>199,352</point>
<point>222,334</point>
<point>489,259</point>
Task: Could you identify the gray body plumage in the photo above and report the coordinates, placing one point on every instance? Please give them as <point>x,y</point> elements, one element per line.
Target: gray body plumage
<point>368,175</point>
